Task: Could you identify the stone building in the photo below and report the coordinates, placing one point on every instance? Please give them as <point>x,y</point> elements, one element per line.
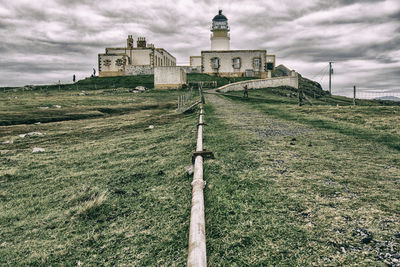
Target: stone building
<point>222,61</point>
<point>132,60</point>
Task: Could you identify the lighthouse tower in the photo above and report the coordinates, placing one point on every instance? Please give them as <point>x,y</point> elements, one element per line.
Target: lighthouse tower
<point>220,33</point>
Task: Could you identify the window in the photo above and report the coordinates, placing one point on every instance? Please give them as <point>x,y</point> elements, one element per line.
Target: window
<point>270,66</point>
<point>257,64</point>
<point>236,63</point>
<point>119,62</point>
<point>107,62</point>
<point>215,63</point>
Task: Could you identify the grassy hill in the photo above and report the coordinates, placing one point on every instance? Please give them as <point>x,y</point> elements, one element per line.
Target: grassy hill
<point>290,185</point>
<point>129,82</point>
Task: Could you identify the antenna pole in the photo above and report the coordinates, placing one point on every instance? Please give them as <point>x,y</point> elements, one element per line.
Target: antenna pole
<point>330,77</point>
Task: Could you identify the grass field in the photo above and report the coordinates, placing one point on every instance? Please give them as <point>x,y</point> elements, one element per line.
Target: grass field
<point>301,186</point>
<point>290,186</point>
<point>107,190</point>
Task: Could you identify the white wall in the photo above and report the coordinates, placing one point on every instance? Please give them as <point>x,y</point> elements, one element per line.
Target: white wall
<point>226,57</point>
<point>115,50</point>
<point>292,81</point>
<point>140,56</point>
<point>164,76</point>
<point>195,62</point>
<point>220,43</point>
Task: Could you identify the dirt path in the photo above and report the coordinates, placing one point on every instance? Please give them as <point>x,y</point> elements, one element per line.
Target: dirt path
<point>254,121</point>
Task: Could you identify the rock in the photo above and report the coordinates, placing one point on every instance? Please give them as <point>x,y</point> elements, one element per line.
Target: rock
<point>30,134</point>
<point>57,106</point>
<point>82,93</point>
<point>37,123</point>
<point>366,236</point>
<point>37,149</point>
<point>43,107</point>
<point>140,88</point>
<point>190,169</point>
<point>151,127</point>
<point>292,144</point>
<point>293,139</point>
<point>8,142</point>
<point>34,134</point>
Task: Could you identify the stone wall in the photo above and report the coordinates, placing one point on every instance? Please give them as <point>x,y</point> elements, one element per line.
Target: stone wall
<point>292,81</point>
<point>139,70</point>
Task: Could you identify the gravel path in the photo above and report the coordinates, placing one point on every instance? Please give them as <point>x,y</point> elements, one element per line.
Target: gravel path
<point>240,116</point>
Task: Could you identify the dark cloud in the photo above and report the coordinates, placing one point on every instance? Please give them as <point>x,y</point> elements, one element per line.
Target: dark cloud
<point>50,40</point>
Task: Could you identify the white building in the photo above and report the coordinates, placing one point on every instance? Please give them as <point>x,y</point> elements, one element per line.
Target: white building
<point>222,61</point>
<point>132,60</point>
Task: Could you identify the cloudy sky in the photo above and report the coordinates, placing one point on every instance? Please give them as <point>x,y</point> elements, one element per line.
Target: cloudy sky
<point>43,41</point>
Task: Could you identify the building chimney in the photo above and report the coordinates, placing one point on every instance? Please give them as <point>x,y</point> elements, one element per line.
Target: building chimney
<point>141,42</point>
<point>129,42</point>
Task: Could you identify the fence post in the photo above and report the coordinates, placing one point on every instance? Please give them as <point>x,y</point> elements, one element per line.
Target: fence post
<point>354,95</point>
<point>201,93</point>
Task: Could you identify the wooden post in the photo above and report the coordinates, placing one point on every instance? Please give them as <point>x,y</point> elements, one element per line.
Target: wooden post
<point>201,93</point>
<point>299,96</point>
<point>354,95</point>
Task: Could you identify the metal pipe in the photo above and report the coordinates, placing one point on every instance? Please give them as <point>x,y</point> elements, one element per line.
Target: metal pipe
<point>197,234</point>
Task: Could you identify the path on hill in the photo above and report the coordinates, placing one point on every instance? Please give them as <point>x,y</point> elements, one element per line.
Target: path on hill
<point>241,116</point>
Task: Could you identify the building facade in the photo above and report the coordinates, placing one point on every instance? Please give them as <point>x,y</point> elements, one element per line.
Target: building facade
<point>223,61</point>
<point>132,60</point>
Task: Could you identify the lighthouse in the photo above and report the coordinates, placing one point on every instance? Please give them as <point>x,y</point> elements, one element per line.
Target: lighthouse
<point>220,38</point>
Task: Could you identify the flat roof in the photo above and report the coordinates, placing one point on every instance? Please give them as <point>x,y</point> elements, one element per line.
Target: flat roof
<point>230,51</point>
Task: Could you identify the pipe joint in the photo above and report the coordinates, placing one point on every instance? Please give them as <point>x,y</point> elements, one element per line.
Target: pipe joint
<point>198,182</point>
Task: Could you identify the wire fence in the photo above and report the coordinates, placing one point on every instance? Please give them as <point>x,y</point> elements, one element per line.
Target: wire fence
<point>379,95</point>
<point>184,99</point>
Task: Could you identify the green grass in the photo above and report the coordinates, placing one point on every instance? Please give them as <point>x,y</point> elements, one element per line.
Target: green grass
<point>367,121</point>
<point>41,106</point>
<point>124,82</point>
<point>283,192</point>
<point>106,191</point>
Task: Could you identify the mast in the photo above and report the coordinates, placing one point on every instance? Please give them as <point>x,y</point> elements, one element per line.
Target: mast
<point>330,76</point>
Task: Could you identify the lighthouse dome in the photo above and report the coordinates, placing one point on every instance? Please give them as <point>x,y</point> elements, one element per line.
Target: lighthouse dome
<point>220,17</point>
<point>220,22</point>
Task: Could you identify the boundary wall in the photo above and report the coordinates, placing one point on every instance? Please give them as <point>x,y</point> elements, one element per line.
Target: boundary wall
<point>292,81</point>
